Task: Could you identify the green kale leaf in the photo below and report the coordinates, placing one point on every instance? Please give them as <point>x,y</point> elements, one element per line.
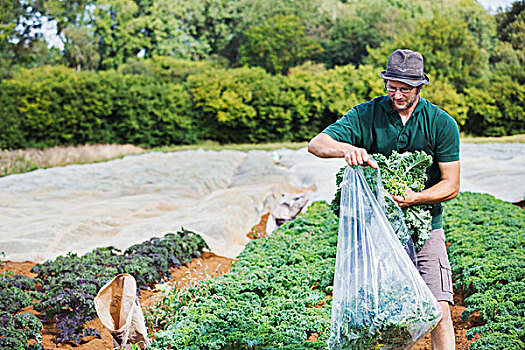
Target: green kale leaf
<point>397,172</point>
<point>389,317</point>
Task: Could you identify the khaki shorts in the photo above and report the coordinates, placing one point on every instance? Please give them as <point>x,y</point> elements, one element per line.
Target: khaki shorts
<point>434,267</point>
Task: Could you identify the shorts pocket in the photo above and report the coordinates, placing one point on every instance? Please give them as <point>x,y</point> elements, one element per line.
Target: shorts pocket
<point>446,275</point>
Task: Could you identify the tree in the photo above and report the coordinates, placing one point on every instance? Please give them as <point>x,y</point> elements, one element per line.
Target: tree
<point>81,48</point>
<point>279,45</point>
<point>357,26</point>
<point>511,28</point>
<point>317,17</point>
<point>19,36</point>
<point>201,28</point>
<point>174,30</point>
<point>447,46</point>
<point>121,32</point>
<point>10,11</point>
<point>74,20</point>
<point>480,23</point>
<point>349,40</point>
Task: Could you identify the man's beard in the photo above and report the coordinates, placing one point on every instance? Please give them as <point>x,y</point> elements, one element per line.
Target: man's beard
<point>408,105</point>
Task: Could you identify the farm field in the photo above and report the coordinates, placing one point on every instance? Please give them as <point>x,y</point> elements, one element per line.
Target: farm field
<point>163,139</point>
<point>208,265</point>
<point>471,218</point>
<point>467,220</point>
<point>77,208</point>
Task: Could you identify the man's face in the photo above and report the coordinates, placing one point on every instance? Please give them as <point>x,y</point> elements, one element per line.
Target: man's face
<point>403,96</point>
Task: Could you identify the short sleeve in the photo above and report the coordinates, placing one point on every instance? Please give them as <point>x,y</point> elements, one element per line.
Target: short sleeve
<point>447,146</point>
<point>347,129</point>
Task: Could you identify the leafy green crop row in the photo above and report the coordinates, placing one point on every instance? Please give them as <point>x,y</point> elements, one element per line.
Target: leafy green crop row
<point>274,297</point>
<point>278,295</point>
<point>17,330</point>
<point>487,255</point>
<point>21,331</point>
<point>68,285</point>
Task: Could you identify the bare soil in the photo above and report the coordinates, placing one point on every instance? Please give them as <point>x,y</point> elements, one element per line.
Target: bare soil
<point>210,265</point>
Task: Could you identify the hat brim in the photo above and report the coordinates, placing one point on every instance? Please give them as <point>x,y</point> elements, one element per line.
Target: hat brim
<point>411,82</point>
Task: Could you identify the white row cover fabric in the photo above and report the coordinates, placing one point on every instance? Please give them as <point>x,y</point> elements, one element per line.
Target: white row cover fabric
<point>221,195</point>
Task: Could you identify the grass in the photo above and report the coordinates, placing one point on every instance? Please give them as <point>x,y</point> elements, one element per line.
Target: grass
<point>26,160</point>
<point>215,146</point>
<point>16,162</point>
<point>501,139</point>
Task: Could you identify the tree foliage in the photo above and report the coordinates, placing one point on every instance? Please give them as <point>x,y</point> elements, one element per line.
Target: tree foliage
<point>361,26</point>
<point>21,42</point>
<point>511,27</point>
<point>449,51</point>
<point>475,60</point>
<point>278,45</point>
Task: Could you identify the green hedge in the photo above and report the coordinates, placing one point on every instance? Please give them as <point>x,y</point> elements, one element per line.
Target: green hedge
<point>56,106</point>
<point>168,101</point>
<point>250,105</point>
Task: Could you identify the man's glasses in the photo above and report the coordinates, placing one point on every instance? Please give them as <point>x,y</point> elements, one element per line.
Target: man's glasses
<point>403,90</point>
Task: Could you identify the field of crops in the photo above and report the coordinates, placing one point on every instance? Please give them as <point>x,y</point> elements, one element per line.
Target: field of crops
<point>487,254</point>
<point>64,289</point>
<point>278,295</point>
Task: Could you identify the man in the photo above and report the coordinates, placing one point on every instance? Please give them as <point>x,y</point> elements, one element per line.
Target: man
<point>405,122</point>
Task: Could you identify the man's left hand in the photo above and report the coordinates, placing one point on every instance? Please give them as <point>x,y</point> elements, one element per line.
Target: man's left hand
<point>410,198</point>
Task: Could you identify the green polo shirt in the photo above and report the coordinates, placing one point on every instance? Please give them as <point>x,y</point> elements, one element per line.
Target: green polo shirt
<point>377,127</point>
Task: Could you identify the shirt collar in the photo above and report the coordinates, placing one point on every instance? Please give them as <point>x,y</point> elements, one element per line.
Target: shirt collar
<point>420,105</point>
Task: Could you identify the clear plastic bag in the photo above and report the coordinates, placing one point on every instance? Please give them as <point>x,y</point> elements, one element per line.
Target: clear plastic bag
<point>379,301</point>
<point>392,211</point>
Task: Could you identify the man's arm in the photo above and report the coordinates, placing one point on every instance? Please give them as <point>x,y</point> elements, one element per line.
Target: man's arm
<point>446,189</point>
<point>324,146</point>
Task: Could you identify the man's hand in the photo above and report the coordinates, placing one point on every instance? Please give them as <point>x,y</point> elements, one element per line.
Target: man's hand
<point>358,156</point>
<point>410,198</point>
<point>324,146</point>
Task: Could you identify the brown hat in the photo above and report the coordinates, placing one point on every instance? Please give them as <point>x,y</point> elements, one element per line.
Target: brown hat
<point>407,67</point>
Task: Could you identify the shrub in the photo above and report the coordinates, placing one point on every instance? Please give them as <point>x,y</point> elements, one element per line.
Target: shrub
<point>55,106</point>
<point>242,105</point>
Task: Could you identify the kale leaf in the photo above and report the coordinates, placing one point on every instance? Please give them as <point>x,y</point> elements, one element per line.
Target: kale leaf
<point>397,171</point>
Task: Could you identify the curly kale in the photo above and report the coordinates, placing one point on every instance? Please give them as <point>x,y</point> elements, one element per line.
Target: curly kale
<point>21,331</point>
<point>391,317</point>
<point>397,172</point>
